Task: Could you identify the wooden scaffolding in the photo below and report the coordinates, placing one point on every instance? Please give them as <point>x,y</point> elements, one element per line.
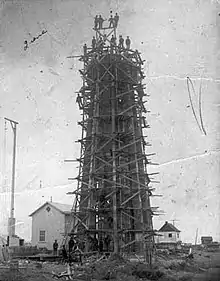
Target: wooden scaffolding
<point>112,199</point>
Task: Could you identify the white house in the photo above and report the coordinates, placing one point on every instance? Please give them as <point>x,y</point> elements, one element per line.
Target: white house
<point>168,233</point>
<point>49,222</point>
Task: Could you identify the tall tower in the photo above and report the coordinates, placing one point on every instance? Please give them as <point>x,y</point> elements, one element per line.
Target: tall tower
<point>112,202</point>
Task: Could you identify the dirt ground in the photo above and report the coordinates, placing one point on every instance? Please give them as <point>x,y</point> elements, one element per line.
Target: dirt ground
<point>204,266</point>
<point>210,261</point>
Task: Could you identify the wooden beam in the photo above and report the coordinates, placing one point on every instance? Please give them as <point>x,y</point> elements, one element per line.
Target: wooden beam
<point>129,108</point>
<point>131,217</point>
<point>81,220</point>
<point>128,244</point>
<point>128,178</point>
<point>134,160</point>
<point>131,197</point>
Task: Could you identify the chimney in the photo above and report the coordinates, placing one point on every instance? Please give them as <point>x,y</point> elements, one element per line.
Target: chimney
<point>50,198</point>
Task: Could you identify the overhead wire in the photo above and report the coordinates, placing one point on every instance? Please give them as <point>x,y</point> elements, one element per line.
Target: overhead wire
<point>200,107</point>
<point>189,82</point>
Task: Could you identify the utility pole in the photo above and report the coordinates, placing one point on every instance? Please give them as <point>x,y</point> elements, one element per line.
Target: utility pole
<point>174,221</point>
<point>11,221</point>
<point>196,236</point>
<point>4,161</point>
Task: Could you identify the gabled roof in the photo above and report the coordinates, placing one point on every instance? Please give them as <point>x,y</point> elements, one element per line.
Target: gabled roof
<point>168,227</point>
<point>63,208</point>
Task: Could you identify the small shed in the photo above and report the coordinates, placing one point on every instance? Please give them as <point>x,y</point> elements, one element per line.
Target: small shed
<point>168,233</point>
<point>205,240</point>
<point>49,222</point>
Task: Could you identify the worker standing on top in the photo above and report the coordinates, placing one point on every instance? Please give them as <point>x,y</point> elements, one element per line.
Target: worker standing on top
<point>111,22</point>
<point>128,43</point>
<point>113,42</point>
<point>104,38</point>
<point>93,42</point>
<point>100,44</point>
<point>116,18</point>
<point>100,21</point>
<point>121,42</point>
<point>96,21</point>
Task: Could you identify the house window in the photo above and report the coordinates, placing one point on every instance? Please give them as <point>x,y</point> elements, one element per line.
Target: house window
<point>170,235</point>
<point>178,236</point>
<point>42,236</point>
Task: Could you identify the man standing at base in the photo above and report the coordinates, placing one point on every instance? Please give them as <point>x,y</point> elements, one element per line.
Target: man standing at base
<point>55,248</point>
<point>72,244</point>
<point>64,255</point>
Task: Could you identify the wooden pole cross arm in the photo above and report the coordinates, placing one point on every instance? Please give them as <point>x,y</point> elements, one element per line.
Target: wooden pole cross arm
<point>10,120</point>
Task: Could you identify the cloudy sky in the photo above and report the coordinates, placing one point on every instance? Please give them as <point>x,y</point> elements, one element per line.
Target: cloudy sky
<point>37,90</point>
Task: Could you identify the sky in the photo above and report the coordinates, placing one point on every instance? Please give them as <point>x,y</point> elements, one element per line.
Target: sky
<point>37,89</point>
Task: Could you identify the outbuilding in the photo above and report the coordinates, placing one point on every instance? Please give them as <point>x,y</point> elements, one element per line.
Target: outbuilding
<point>168,233</point>
<point>206,240</point>
<point>50,222</point>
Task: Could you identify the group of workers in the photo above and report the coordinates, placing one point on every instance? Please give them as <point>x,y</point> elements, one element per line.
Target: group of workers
<point>72,247</point>
<point>113,42</point>
<point>101,244</point>
<point>127,42</point>
<point>99,44</point>
<point>113,21</point>
<point>66,253</point>
<point>94,244</point>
